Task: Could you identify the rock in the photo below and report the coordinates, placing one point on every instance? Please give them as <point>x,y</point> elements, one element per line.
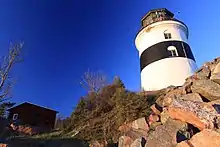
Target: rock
<point>165,135</point>
<point>124,128</point>
<point>216,105</point>
<point>215,77</point>
<point>187,85</point>
<point>125,141</point>
<point>217,68</point>
<point>207,64</point>
<point>184,144</point>
<point>135,129</point>
<point>207,89</point>
<point>211,65</point>
<point>97,144</point>
<point>205,138</point>
<point>164,101</point>
<point>168,89</point>
<point>203,73</point>
<point>140,124</point>
<point>189,117</point>
<point>25,130</point>
<point>217,60</point>
<point>217,124</point>
<point>155,124</point>
<point>155,110</point>
<point>191,97</point>
<point>136,143</point>
<point>176,92</point>
<point>153,118</point>
<point>3,145</point>
<point>217,102</point>
<point>14,127</point>
<point>200,115</point>
<point>164,116</point>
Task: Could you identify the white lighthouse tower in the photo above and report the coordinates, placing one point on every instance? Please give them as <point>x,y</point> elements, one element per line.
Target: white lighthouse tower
<point>165,56</point>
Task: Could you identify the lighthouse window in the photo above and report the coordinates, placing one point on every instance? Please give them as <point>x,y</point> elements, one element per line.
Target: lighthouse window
<point>167,35</point>
<point>173,51</point>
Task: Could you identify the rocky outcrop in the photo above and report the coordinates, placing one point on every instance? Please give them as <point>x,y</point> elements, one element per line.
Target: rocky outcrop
<point>205,138</point>
<point>199,114</point>
<point>139,125</point>
<point>215,77</point>
<point>191,97</point>
<point>165,135</point>
<point>207,88</point>
<point>133,133</point>
<point>184,116</point>
<point>216,68</point>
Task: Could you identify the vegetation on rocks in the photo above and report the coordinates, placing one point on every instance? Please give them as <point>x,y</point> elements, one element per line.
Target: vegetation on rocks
<point>98,115</point>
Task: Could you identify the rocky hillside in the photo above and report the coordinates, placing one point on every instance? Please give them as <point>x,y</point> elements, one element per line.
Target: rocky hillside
<point>186,116</point>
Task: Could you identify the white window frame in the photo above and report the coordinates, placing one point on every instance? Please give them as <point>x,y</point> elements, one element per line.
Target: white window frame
<point>15,116</point>
<point>173,51</point>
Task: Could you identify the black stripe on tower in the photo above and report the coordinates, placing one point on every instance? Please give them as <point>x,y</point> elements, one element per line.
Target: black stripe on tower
<point>160,51</point>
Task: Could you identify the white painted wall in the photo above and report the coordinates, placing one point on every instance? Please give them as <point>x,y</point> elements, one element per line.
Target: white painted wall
<point>154,34</point>
<point>169,71</point>
<point>166,72</point>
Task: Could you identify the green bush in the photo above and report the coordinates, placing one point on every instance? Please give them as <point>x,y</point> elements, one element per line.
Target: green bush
<point>103,112</point>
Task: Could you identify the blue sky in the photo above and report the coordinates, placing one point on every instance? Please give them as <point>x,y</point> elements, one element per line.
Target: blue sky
<point>63,38</point>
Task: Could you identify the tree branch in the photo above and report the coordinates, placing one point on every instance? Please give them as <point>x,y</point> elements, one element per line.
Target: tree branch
<point>93,81</point>
<point>13,57</point>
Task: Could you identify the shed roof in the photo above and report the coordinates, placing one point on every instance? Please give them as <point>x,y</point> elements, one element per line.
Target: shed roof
<point>28,103</point>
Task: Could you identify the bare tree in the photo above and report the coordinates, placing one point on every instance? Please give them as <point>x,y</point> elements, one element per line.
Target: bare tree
<point>6,64</point>
<point>93,81</point>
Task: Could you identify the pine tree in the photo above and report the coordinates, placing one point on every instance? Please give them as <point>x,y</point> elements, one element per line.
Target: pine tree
<point>119,82</point>
<point>3,108</point>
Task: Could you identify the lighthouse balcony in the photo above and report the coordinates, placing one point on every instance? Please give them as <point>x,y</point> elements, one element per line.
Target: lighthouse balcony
<point>156,19</point>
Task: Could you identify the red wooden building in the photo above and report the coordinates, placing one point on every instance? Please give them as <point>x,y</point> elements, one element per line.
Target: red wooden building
<point>33,115</point>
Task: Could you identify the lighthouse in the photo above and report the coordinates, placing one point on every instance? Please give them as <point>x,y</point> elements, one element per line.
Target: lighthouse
<point>165,56</point>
